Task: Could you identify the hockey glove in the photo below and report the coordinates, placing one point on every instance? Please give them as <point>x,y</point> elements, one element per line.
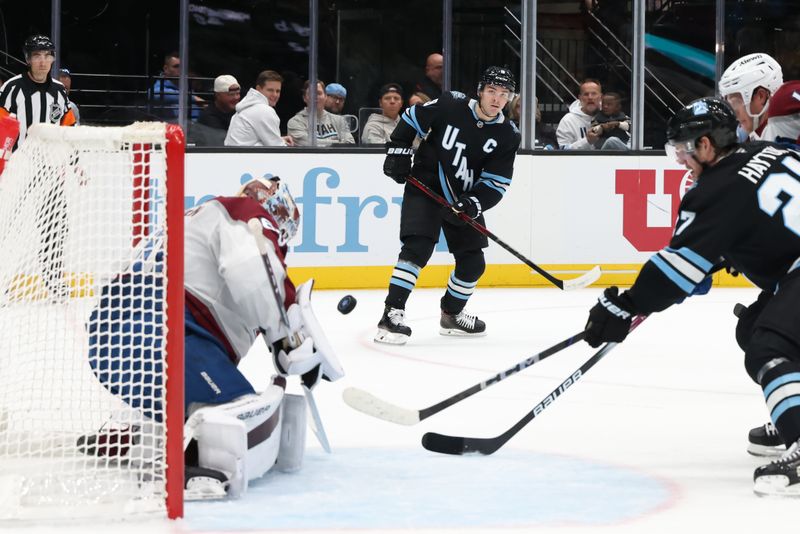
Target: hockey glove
<point>469,206</point>
<point>609,319</point>
<point>397,164</point>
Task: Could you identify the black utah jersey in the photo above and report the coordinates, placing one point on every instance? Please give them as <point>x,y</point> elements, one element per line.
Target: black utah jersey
<point>460,152</point>
<point>745,210</point>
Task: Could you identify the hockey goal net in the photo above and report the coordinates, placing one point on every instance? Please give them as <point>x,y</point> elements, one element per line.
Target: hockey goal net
<point>91,323</point>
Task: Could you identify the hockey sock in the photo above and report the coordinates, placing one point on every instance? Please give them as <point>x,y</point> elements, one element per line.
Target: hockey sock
<point>781,386</point>
<point>457,294</point>
<point>404,278</point>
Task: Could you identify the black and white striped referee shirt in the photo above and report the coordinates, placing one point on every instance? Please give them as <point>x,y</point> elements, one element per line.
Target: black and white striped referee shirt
<point>34,102</point>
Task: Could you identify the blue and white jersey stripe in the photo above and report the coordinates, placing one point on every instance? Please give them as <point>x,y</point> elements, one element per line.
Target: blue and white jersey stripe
<point>684,267</point>
<point>782,393</point>
<point>495,181</point>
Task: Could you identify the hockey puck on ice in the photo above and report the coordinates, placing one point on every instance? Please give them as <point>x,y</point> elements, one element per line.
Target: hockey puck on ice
<point>347,304</point>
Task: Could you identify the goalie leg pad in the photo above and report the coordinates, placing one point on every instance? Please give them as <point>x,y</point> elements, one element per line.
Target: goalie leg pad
<point>240,438</point>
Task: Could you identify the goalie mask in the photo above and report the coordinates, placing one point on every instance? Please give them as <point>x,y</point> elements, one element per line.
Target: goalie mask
<point>275,197</point>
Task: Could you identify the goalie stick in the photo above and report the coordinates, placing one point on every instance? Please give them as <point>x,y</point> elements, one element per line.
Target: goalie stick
<point>255,227</point>
<point>367,403</point>
<point>461,445</point>
<point>584,280</point>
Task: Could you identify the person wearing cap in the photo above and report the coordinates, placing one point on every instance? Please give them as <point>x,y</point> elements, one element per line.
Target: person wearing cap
<point>256,123</point>
<point>65,77</point>
<point>379,126</point>
<point>331,128</point>
<point>335,95</point>
<point>783,125</point>
<point>218,114</point>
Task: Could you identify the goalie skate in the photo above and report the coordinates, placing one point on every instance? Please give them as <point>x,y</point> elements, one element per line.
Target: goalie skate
<point>765,441</point>
<point>202,484</point>
<point>780,477</point>
<point>461,324</point>
<point>392,329</point>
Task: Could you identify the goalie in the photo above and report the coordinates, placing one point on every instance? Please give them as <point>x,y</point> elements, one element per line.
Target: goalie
<point>236,287</point>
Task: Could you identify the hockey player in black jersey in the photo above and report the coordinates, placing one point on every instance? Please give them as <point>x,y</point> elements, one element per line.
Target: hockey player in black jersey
<point>467,156</point>
<point>743,211</point>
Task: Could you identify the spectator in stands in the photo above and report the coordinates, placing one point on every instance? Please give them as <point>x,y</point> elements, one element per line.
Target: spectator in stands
<point>164,93</point>
<point>271,83</point>
<point>256,123</point>
<point>418,98</point>
<point>380,126</point>
<point>545,133</point>
<point>573,132</point>
<point>218,114</point>
<point>65,77</point>
<point>434,71</point>
<point>335,95</point>
<point>611,124</point>
<point>331,128</point>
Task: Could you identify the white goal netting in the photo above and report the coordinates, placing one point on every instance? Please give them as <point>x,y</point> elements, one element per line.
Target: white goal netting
<point>83,320</point>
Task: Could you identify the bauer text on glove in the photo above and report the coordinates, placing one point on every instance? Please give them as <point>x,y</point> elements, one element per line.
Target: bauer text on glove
<point>609,319</point>
<point>397,164</point>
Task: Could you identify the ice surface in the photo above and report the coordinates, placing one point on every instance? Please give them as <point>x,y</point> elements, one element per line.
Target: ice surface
<point>651,440</point>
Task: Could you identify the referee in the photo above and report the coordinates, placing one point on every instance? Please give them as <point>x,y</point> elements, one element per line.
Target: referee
<point>35,97</point>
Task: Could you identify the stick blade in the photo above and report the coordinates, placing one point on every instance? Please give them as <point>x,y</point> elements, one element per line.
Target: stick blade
<point>587,278</point>
<point>366,402</point>
<point>456,445</point>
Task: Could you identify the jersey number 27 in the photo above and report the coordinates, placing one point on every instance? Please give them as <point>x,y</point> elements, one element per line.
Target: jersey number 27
<point>780,191</point>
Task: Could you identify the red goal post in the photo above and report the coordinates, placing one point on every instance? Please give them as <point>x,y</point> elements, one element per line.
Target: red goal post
<point>91,323</point>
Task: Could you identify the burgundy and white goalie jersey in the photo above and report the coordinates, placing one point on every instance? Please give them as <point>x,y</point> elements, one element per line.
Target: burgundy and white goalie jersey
<point>227,288</point>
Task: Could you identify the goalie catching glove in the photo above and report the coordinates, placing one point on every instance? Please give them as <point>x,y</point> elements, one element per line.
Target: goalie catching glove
<point>610,319</point>
<point>306,351</point>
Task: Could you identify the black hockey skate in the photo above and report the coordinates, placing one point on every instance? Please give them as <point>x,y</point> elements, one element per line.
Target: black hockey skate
<point>392,328</point>
<point>765,441</point>
<point>461,324</point>
<point>780,477</point>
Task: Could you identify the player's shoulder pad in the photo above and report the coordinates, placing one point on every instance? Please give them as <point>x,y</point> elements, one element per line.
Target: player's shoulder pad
<point>458,95</point>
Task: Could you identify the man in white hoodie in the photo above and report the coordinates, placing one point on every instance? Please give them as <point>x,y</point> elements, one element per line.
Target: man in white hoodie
<point>574,130</point>
<point>255,122</point>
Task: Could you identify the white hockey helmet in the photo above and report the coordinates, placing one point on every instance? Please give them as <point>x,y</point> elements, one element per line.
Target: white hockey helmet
<point>747,74</point>
<point>275,197</point>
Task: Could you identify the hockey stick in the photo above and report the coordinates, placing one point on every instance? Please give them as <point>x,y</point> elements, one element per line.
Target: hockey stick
<point>460,445</point>
<point>584,280</point>
<point>256,229</point>
<point>369,404</point>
